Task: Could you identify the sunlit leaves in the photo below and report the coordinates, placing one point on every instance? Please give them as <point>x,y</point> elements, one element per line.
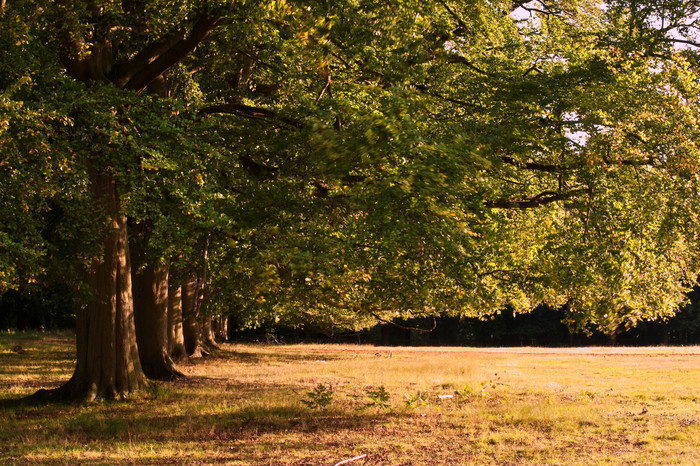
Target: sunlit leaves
<point>386,158</point>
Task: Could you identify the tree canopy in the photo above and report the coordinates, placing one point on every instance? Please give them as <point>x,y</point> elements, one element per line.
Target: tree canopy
<point>343,162</point>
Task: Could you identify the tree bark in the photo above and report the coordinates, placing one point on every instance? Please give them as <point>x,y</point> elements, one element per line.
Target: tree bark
<point>108,364</point>
<point>191,327</point>
<point>176,339</point>
<point>151,316</point>
<point>208,338</point>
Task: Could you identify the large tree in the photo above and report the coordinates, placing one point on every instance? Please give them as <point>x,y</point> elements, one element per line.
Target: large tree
<point>488,155</point>
<point>340,162</point>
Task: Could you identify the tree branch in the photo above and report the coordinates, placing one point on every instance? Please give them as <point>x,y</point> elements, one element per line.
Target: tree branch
<point>543,198</point>
<point>463,61</point>
<point>143,77</point>
<point>403,327</point>
<point>125,71</point>
<point>455,16</point>
<point>543,167</point>
<point>373,313</point>
<point>248,111</point>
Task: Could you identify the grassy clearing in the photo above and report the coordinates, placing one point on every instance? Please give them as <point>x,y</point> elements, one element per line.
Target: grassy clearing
<point>446,406</point>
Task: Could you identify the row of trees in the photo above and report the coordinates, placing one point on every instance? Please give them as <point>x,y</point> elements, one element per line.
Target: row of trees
<point>54,309</point>
<point>342,163</point>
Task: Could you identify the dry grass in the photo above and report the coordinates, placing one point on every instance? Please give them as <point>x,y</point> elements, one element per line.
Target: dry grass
<point>508,406</point>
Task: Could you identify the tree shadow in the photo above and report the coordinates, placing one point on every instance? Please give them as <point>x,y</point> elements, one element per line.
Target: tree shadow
<point>178,416</point>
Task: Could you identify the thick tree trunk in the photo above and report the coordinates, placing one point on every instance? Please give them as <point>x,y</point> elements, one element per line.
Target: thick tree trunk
<point>176,339</point>
<point>151,316</point>
<point>108,364</point>
<point>208,338</point>
<point>191,327</point>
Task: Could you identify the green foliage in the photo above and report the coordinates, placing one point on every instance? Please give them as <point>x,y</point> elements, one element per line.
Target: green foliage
<point>320,398</point>
<point>465,392</point>
<point>346,162</point>
<point>587,395</point>
<point>379,398</point>
<point>417,400</point>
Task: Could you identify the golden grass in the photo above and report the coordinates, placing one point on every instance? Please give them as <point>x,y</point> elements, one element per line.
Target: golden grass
<point>498,406</point>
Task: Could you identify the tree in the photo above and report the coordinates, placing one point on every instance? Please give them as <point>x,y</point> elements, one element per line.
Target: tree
<point>342,163</point>
<point>101,53</point>
<point>476,160</point>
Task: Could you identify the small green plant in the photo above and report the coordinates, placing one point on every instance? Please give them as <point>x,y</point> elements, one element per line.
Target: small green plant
<point>464,392</point>
<point>379,398</point>
<point>419,400</point>
<point>490,385</point>
<point>320,397</point>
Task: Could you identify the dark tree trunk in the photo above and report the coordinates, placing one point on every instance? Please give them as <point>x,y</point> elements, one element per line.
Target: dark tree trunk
<point>191,327</point>
<point>208,338</point>
<point>108,364</point>
<point>176,339</point>
<point>151,316</point>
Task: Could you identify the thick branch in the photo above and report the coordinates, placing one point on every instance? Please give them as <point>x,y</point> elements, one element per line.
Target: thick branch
<point>124,72</point>
<point>455,16</point>
<point>543,198</point>
<point>543,167</point>
<point>172,55</point>
<point>374,314</point>
<point>553,168</point>
<point>673,40</point>
<point>248,111</point>
<point>463,61</point>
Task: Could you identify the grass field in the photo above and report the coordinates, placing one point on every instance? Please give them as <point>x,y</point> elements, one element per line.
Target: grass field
<point>260,404</point>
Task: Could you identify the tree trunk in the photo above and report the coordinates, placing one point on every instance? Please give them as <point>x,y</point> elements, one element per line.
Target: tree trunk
<point>208,338</point>
<point>151,313</point>
<point>108,364</point>
<point>191,327</point>
<point>176,340</point>
<point>221,331</point>
<point>611,337</point>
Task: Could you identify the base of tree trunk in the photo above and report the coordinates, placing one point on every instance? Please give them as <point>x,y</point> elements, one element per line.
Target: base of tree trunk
<point>178,353</point>
<point>163,369</point>
<point>72,391</point>
<point>211,345</point>
<point>200,351</point>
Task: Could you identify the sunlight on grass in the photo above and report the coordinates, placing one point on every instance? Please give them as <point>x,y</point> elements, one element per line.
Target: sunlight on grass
<point>420,405</point>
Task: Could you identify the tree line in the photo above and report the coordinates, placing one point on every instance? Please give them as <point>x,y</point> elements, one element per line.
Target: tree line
<point>54,309</point>
<point>340,164</point>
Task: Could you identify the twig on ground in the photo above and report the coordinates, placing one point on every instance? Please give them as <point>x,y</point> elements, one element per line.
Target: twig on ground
<point>351,459</point>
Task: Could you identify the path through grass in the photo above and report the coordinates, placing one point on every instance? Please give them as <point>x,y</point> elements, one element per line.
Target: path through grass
<point>445,406</point>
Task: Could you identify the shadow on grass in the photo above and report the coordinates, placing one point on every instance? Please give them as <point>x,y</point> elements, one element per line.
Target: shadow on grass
<point>194,411</point>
